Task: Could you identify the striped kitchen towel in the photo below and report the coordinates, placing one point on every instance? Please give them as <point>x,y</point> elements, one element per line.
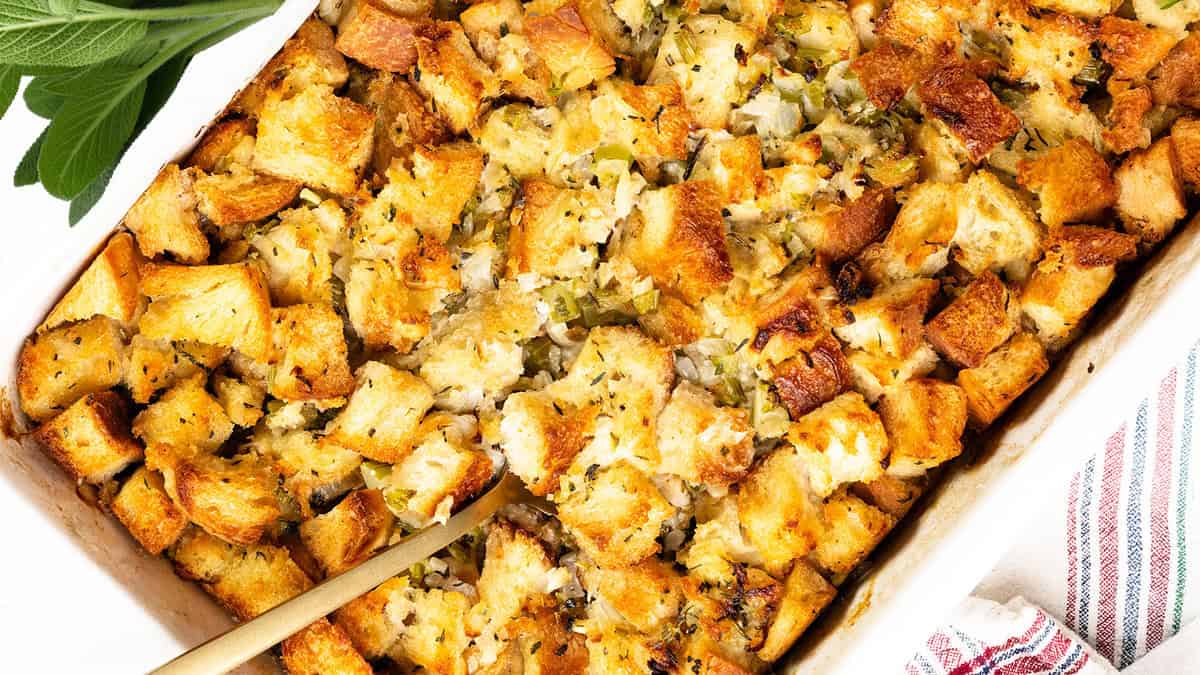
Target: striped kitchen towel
<point>1109,567</point>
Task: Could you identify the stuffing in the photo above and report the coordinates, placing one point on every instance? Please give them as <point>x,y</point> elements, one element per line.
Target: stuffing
<point>1079,265</point>
<point>540,438</point>
<point>349,533</point>
<point>616,516</point>
<point>890,321</point>
<point>1084,8</point>
<point>943,157</point>
<point>541,641</point>
<point>146,510</point>
<point>373,35</point>
<point>242,196</point>
<point>1072,181</point>
<point>402,120</point>
<point>708,72</point>
<point>59,366</point>
<point>924,419</point>
<point>90,439</point>
<point>843,441</point>
<point>614,649</point>
<point>1003,376</point>
<point>310,354</point>
<point>322,648</point>
<point>918,243</point>
<point>1133,49</point>
<point>573,55</point>
<point>1174,81</point>
<point>315,470</point>
<point>701,442</point>
<point>719,543</point>
<point>242,401</point>
<point>888,71</point>
<point>380,421</point>
<point>557,232</point>
<point>673,322</point>
<point>733,164</point>
<point>164,218</point>
<point>444,469</point>
<point>647,595</point>
<point>389,305</point>
<point>248,581</point>
<point>1150,192</point>
<point>805,594</point>
<point>297,253</point>
<point>966,105</point>
<point>307,60</point>
<point>680,239</point>
<point>858,223</point>
<point>872,374</point>
<point>515,569</point>
<point>366,621</point>
<point>1185,136</point>
<point>317,138</point>
<point>1047,49</point>
<point>159,364</point>
<point>452,76</point>
<point>432,633</point>
<point>227,144</point>
<point>852,529</point>
<point>650,122</point>
<point>185,416</point>
<point>890,494</point>
<point>976,322</point>
<point>996,229</point>
<point>779,513</point>
<point>231,498</point>
<point>224,305</point>
<point>729,620</point>
<point>108,287</point>
<point>812,377</point>
<point>921,25</point>
<point>1127,129</point>
<point>497,30</point>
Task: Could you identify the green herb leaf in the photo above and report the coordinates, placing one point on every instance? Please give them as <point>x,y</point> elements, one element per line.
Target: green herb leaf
<point>27,172</point>
<point>10,81</point>
<point>40,100</point>
<point>64,7</point>
<point>32,33</point>
<point>159,87</point>
<point>84,201</point>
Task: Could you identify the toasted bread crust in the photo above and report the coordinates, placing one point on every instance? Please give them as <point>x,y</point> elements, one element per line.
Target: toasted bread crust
<point>966,105</point>
<point>976,323</point>
<point>371,34</point>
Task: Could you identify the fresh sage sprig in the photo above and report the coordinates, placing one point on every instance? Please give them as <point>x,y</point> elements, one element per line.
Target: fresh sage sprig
<point>98,73</point>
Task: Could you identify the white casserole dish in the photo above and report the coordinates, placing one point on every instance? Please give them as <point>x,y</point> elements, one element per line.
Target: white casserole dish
<point>80,593</point>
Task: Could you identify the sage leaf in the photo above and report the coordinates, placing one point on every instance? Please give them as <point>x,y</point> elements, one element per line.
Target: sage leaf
<point>40,100</point>
<point>27,173</point>
<point>159,88</point>
<point>10,82</point>
<point>64,7</point>
<point>33,34</point>
<point>84,201</point>
<point>89,132</point>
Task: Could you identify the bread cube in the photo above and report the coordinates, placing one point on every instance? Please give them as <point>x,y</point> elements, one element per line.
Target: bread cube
<point>919,24</point>
<point>59,366</point>
<point>233,499</point>
<point>858,223</point>
<point>924,419</point>
<point>1127,124</point>
<point>805,594</point>
<point>1087,8</point>
<point>242,196</point>
<point>373,35</point>
<point>574,56</point>
<point>1185,136</point>
<point>890,321</point>
<point>943,157</point>
<point>892,495</point>
<point>889,70</point>
<point>1072,181</point>
<point>976,322</point>
<point>680,240</point>
<point>853,528</point>
<point>616,516</point>
<point>322,648</point>
<point>540,438</point>
<point>242,401</point>
<point>1132,48</point>
<point>647,595</point>
<point>1002,377</point>
<point>380,421</point>
<point>542,640</point>
<point>967,106</point>
<point>297,253</point>
<point>1174,81</point>
<point>452,76</point>
<point>159,364</point>
<point>444,470</point>
<point>650,121</point>
<point>227,144</point>
<point>185,416</point>
<point>350,533</point>
<point>315,137</point>
<point>432,629</point>
<point>90,439</point>
<point>996,230</point>
<point>613,648</point>
<point>224,305</point>
<point>310,354</point>
<point>918,243</point>
<point>248,581</point>
<point>777,509</point>
<point>673,322</point>
<point>384,309</point>
<point>873,374</point>
<point>487,23</point>
<point>843,441</point>
<point>146,510</point>
<point>718,544</point>
<point>812,377</point>
<point>164,218</point>
<point>108,287</point>
<point>1150,192</point>
<point>1046,49</point>
<point>734,164</point>
<point>315,470</point>
<point>558,231</point>
<point>724,634</point>
<point>402,121</point>
<point>515,568</point>
<point>308,59</point>
<point>1079,265</point>
<point>367,623</point>
<point>701,442</point>
<point>709,77</point>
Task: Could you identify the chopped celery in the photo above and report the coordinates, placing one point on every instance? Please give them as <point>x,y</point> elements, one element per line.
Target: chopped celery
<point>685,40</point>
<point>613,152</point>
<point>397,499</point>
<point>729,390</point>
<point>375,474</point>
<point>1091,74</point>
<point>893,172</point>
<point>793,27</point>
<point>563,305</point>
<point>539,356</point>
<point>646,302</point>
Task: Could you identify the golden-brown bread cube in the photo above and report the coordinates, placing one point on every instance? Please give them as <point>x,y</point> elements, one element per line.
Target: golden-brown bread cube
<point>718,544</point>
<point>852,530</point>
<point>976,322</point>
<point>616,516</point>
<point>381,419</point>
<point>144,508</point>
<point>350,532</point>
<point>702,442</point>
<point>647,595</point>
<point>680,239</point>
<point>673,322</point>
<point>373,35</point>
<point>310,354</point>
<point>1185,136</point>
<point>873,374</point>
<point>919,24</point>
<point>186,416</point>
<point>389,305</point>
<point>852,227</point>
<point>805,594</point>
<point>242,196</point>
<point>315,470</point>
<point>307,59</point>
<point>317,138</point>
<point>1175,80</point>
<point>1132,48</point>
<point>734,164</point>
<point>248,581</point>
<point>401,119</point>
<point>225,305</point>
<point>967,106</point>
<point>540,438</point>
<point>90,439</point>
<point>709,75</point>
<point>158,364</point>
<point>733,635</point>
<point>924,419</point>
<point>366,621</point>
<point>1044,48</point>
<point>226,144</point>
<point>1127,128</point>
<point>918,243</point>
<point>297,253</point>
<point>164,218</point>
<point>778,511</point>
<point>649,121</point>
<point>843,441</point>
<point>889,70</point>
<point>574,56</point>
<point>1079,265</point>
<point>541,640</point>
<point>322,649</point>
<point>108,287</point>
<point>486,23</point>
<point>497,30</point>
<point>814,376</point>
<point>613,648</point>
<point>242,401</point>
<point>444,470</point>
<point>557,232</point>
<point>1072,181</point>
<point>1150,192</point>
<point>890,494</point>
<point>233,499</point>
<point>1002,377</point>
<point>433,632</point>
<point>452,76</point>
<point>996,229</point>
<point>890,321</point>
<point>59,366</point>
<point>515,568</point>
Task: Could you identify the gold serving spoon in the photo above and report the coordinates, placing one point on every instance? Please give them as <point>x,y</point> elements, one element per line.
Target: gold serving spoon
<point>242,643</point>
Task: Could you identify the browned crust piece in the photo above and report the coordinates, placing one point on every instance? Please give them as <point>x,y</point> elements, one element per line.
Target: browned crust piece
<point>975,324</point>
<point>968,107</point>
<point>374,36</point>
<point>1176,81</point>
<point>1073,182</point>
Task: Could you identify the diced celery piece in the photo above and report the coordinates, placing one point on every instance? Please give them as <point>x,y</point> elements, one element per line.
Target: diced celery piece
<point>563,305</point>
<point>646,302</point>
<point>375,474</point>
